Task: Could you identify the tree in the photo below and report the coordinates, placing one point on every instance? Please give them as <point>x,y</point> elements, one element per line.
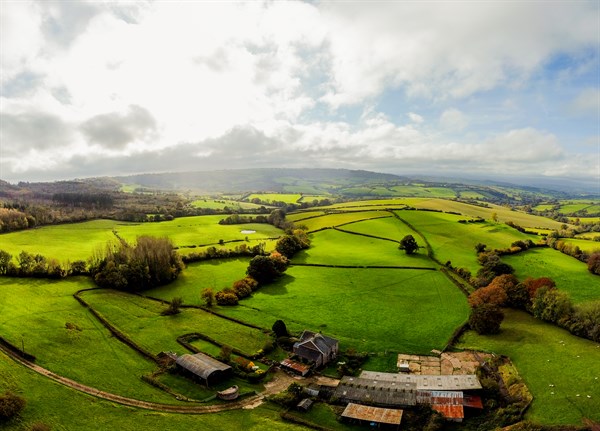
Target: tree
<point>480,247</point>
<point>534,284</point>
<point>280,329</point>
<point>208,296</point>
<point>408,244</point>
<point>551,304</point>
<point>265,269</point>
<point>174,307</point>
<point>492,294</point>
<point>5,258</point>
<point>594,263</point>
<point>486,319</point>
<point>11,405</point>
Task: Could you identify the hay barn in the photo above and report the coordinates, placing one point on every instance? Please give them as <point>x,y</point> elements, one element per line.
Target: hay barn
<point>203,368</point>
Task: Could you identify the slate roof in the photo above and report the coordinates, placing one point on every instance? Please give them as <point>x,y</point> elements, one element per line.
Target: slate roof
<point>317,341</point>
<point>382,393</point>
<point>201,365</point>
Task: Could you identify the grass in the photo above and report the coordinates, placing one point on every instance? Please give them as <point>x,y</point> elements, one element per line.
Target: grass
<point>455,241</point>
<point>332,220</point>
<point>216,274</point>
<point>390,228</point>
<point>141,320</point>
<point>288,198</point>
<point>333,247</point>
<point>65,409</point>
<point>220,204</point>
<point>34,312</point>
<point>585,245</point>
<point>546,355</point>
<point>569,274</point>
<point>375,309</point>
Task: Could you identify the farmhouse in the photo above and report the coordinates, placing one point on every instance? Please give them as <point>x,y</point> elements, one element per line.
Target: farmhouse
<point>202,367</point>
<point>316,348</point>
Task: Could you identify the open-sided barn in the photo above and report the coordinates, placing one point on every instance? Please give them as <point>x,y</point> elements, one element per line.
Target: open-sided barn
<point>203,367</point>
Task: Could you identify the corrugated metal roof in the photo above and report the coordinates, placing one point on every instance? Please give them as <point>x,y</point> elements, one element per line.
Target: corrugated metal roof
<point>296,366</point>
<point>440,397</point>
<point>449,411</point>
<point>473,401</point>
<point>201,365</point>
<point>428,382</point>
<point>382,393</point>
<point>373,414</point>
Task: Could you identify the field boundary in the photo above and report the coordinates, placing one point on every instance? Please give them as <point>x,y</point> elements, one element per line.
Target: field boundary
<point>323,265</point>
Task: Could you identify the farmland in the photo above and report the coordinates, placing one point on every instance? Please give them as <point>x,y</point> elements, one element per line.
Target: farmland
<point>353,284</point>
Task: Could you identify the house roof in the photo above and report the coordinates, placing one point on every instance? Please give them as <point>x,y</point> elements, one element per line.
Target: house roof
<point>429,382</point>
<point>201,365</point>
<point>317,341</point>
<point>373,414</point>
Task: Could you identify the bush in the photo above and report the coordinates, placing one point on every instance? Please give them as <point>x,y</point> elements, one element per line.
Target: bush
<point>226,298</point>
<point>174,307</point>
<point>11,405</point>
<point>486,319</point>
<point>492,294</point>
<point>594,263</point>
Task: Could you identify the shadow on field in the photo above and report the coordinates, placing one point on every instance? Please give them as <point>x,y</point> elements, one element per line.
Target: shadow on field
<point>279,287</point>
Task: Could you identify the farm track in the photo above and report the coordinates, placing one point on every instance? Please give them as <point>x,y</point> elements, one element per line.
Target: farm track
<point>280,382</point>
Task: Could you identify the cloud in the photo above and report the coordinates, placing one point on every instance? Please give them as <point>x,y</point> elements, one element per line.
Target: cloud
<point>453,119</point>
<point>586,103</point>
<point>415,118</point>
<point>116,130</point>
<point>20,133</point>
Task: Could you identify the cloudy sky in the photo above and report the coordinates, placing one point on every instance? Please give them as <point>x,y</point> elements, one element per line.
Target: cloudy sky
<point>442,87</point>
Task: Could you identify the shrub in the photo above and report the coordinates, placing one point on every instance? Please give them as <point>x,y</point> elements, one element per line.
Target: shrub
<point>594,263</point>
<point>225,297</point>
<point>174,307</point>
<point>11,405</point>
<point>492,294</point>
<point>486,319</point>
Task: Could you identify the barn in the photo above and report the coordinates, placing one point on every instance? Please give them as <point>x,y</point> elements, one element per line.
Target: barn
<point>203,368</point>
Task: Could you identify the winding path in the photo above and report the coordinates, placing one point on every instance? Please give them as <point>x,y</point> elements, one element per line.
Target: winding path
<point>280,382</point>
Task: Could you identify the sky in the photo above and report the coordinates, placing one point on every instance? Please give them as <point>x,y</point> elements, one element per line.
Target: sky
<point>406,87</point>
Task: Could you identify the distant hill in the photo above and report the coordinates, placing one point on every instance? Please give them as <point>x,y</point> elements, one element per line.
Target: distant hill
<point>246,180</point>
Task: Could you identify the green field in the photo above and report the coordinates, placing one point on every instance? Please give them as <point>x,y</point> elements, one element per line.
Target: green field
<point>585,245</point>
<point>288,198</point>
<point>34,313</point>
<point>340,219</point>
<point>569,274</point>
<point>79,240</point>
<point>220,204</point>
<point>333,247</point>
<point>67,410</point>
<point>455,241</point>
<point>367,309</point>
<point>546,355</point>
<point>141,320</point>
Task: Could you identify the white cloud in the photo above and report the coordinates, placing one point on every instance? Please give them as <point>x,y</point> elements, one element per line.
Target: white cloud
<point>453,119</point>
<point>415,118</point>
<point>587,102</point>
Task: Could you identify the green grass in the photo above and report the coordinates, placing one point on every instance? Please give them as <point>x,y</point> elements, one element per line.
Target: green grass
<point>585,245</point>
<point>34,312</point>
<point>367,309</point>
<point>288,198</point>
<point>546,355</point>
<point>298,217</point>
<point>67,410</point>
<point>455,241</point>
<point>141,320</point>
<point>220,204</point>
<point>389,227</point>
<point>469,194</point>
<point>216,274</point>
<point>333,247</point>
<point>569,274</point>
<point>332,220</point>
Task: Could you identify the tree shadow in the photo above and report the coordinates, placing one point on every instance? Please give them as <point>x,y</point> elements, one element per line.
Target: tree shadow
<point>278,287</point>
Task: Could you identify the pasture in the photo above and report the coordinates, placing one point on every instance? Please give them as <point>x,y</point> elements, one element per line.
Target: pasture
<point>562,371</point>
<point>366,309</point>
<point>220,204</point>
<point>340,219</point>
<point>333,247</point>
<point>569,274</point>
<point>34,313</point>
<point>454,241</point>
<point>288,198</point>
<point>585,245</point>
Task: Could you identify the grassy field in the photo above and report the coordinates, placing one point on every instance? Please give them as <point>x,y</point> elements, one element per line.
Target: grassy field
<point>375,309</point>
<point>331,220</point>
<point>585,245</point>
<point>220,204</point>
<point>455,241</point>
<point>67,410</point>
<point>34,313</point>
<point>79,240</point>
<point>288,198</point>
<point>569,274</point>
<point>562,371</point>
<point>141,320</point>
<point>389,227</point>
<point>216,274</point>
<point>333,247</point>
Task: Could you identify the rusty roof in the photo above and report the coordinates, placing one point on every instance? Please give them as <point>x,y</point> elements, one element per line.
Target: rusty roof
<point>440,397</point>
<point>449,411</point>
<point>373,414</point>
<point>473,401</point>
<point>296,366</point>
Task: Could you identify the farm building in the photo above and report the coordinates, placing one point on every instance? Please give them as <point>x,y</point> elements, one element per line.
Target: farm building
<point>372,415</point>
<point>379,393</point>
<point>202,367</point>
<point>464,382</point>
<point>296,367</point>
<point>316,348</point>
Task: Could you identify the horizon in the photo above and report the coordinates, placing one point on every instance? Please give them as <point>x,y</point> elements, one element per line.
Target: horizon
<point>488,90</point>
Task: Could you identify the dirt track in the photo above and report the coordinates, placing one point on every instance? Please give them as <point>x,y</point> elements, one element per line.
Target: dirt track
<point>280,382</point>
